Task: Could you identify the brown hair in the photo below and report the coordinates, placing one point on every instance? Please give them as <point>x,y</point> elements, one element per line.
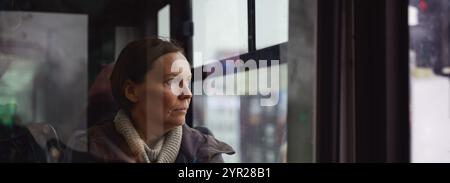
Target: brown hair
<point>133,63</point>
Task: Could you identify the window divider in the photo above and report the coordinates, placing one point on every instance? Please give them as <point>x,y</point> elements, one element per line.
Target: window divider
<point>251,26</point>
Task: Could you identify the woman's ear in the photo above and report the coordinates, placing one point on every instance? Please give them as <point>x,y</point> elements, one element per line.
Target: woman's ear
<point>130,89</point>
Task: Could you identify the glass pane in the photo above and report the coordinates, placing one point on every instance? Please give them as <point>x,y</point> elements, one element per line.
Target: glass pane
<point>429,76</point>
<point>220,29</point>
<point>43,77</point>
<point>164,22</point>
<point>55,71</point>
<point>271,22</point>
<point>256,132</point>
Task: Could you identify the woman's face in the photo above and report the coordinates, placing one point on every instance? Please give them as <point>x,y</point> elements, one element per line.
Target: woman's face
<point>165,95</point>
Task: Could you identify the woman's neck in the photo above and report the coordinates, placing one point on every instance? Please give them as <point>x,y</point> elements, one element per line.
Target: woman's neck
<point>149,130</point>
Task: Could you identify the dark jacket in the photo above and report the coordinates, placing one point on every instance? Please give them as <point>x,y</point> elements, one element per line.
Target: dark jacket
<point>105,144</point>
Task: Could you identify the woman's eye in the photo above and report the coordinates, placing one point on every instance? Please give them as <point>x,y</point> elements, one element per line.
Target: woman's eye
<point>181,82</point>
<point>186,82</point>
<point>168,82</point>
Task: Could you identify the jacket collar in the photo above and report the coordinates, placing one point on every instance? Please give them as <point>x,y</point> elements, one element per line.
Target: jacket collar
<point>197,147</point>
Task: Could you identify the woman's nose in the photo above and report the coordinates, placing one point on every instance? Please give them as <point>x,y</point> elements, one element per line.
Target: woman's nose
<point>186,94</point>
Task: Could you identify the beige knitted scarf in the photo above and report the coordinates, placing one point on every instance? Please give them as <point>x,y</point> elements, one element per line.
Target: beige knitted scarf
<point>164,151</point>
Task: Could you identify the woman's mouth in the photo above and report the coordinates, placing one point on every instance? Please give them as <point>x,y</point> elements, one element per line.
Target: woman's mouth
<point>181,109</point>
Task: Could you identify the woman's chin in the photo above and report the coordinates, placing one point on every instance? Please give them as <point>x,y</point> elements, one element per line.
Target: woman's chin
<point>176,122</point>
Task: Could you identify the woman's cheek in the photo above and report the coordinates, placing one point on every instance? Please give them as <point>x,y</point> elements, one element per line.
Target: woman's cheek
<point>168,98</point>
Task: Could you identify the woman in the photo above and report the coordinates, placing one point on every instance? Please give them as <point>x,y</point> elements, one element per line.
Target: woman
<point>150,126</point>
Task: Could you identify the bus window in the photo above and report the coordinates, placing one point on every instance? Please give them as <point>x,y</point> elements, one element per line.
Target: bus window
<point>271,22</point>
<point>164,22</point>
<point>43,74</point>
<point>229,101</point>
<point>429,76</point>
<point>220,29</point>
<point>56,63</point>
<point>257,132</point>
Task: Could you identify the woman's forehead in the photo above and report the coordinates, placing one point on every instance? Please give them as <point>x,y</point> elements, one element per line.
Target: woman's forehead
<point>172,64</point>
<point>175,63</point>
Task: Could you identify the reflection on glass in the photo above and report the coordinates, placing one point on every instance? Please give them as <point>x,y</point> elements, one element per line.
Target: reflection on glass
<point>220,29</point>
<point>271,18</point>
<point>43,82</point>
<point>429,76</point>
<point>257,133</point>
